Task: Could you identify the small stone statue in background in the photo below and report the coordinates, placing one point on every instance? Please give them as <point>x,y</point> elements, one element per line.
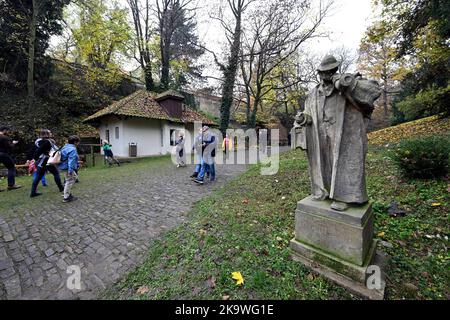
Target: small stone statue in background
<point>332,129</point>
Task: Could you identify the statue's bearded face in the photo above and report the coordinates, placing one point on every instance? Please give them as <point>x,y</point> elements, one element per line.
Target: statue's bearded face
<point>326,76</point>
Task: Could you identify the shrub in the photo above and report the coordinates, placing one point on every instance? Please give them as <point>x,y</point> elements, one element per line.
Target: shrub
<point>425,103</point>
<point>423,158</point>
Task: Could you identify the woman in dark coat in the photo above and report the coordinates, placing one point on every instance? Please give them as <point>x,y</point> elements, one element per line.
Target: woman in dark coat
<point>41,155</point>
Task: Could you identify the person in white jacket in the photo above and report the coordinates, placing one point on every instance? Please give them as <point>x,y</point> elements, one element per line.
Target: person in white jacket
<point>181,155</point>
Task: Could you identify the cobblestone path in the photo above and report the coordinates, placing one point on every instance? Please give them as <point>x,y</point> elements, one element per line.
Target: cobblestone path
<point>106,232</point>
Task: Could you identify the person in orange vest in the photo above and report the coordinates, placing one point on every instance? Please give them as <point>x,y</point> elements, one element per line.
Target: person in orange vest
<point>227,146</point>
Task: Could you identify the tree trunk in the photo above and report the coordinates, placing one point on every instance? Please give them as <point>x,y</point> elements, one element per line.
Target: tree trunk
<point>149,85</point>
<point>252,121</point>
<point>31,49</point>
<point>165,65</point>
<point>385,105</point>
<point>248,108</point>
<point>165,29</point>
<point>230,77</point>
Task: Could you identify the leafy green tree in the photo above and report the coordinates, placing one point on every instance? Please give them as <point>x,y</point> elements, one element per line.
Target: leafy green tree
<point>412,17</point>
<point>102,37</point>
<point>421,31</point>
<point>87,60</point>
<point>15,30</point>
<point>426,102</point>
<point>378,60</point>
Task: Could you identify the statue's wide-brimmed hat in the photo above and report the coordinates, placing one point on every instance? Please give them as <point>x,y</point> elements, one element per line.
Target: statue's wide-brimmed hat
<point>328,63</point>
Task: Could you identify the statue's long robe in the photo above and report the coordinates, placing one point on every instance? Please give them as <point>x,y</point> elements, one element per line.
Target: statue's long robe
<point>337,148</point>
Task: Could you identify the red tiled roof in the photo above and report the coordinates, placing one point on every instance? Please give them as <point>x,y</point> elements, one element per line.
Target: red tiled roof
<point>142,104</point>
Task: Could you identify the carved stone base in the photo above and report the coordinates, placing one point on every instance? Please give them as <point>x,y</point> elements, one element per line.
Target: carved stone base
<point>338,245</point>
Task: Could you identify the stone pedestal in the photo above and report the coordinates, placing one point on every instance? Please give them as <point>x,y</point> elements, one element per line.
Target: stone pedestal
<point>338,245</point>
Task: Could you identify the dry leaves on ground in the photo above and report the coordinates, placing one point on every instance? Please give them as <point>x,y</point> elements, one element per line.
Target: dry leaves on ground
<point>413,129</point>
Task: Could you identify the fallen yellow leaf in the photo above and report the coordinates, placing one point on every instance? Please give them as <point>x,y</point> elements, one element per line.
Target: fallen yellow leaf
<point>381,234</point>
<point>238,277</point>
<point>435,204</point>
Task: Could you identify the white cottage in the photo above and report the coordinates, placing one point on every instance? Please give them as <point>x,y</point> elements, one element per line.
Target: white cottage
<point>148,121</point>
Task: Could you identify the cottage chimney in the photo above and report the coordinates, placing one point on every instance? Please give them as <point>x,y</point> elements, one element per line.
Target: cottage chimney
<point>172,103</point>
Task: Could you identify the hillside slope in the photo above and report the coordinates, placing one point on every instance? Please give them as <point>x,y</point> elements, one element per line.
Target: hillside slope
<point>414,129</point>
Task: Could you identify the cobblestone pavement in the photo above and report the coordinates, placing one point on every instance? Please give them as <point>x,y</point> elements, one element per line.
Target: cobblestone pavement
<point>106,232</point>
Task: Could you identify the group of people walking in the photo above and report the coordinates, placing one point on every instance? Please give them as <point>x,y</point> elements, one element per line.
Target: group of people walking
<point>45,156</point>
<point>204,148</point>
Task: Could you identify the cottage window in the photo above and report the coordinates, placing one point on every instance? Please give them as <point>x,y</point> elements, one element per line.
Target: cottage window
<point>117,132</point>
<point>107,135</point>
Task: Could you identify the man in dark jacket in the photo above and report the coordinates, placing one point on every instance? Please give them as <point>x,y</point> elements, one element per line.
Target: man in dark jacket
<point>208,153</point>
<point>5,149</point>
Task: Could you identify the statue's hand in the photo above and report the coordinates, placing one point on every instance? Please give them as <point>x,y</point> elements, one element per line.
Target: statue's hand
<point>302,119</point>
<point>299,117</point>
<point>346,80</point>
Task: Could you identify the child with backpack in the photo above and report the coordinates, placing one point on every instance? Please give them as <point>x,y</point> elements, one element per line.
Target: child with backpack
<point>109,156</point>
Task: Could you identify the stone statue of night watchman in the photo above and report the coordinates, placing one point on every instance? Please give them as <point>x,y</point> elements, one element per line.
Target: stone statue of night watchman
<point>334,226</point>
<point>333,130</point>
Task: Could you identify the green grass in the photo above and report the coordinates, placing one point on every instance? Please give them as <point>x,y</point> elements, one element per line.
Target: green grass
<point>16,203</point>
<point>99,159</point>
<point>227,234</point>
<point>246,227</point>
<point>419,256</point>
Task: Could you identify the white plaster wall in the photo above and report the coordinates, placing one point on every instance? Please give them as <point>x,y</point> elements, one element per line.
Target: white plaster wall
<point>110,123</point>
<point>152,136</point>
<point>146,133</point>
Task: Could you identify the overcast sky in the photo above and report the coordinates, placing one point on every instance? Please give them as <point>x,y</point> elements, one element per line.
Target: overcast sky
<point>346,23</point>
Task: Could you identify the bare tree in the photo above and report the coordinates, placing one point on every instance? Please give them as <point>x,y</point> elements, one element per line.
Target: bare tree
<point>143,33</point>
<point>346,57</point>
<point>233,33</point>
<point>307,63</point>
<point>275,33</point>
